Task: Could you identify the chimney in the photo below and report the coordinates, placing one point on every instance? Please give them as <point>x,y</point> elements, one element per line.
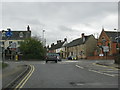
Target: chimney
<point>52,44</point>
<point>59,41</point>
<point>28,28</point>
<point>65,39</point>
<point>83,37</point>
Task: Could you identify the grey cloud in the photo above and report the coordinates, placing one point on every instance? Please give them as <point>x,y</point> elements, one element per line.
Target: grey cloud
<point>56,17</point>
<point>65,29</point>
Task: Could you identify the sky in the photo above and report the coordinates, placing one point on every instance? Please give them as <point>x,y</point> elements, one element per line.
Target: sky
<point>59,19</point>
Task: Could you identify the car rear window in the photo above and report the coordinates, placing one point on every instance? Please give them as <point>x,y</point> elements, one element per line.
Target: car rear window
<point>52,54</point>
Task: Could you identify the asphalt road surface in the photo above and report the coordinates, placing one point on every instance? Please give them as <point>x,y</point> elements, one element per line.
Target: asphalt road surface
<point>71,74</point>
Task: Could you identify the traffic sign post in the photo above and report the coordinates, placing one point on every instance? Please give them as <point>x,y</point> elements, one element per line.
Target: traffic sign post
<point>6,34</point>
<point>9,33</point>
<point>105,50</point>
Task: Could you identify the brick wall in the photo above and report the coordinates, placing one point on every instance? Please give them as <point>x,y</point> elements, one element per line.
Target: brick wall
<point>100,58</point>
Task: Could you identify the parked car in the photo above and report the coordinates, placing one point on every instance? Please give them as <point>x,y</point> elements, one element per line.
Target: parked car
<point>53,57</point>
<point>69,58</point>
<point>72,58</point>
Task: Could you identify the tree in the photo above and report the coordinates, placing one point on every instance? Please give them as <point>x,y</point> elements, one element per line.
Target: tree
<point>32,48</point>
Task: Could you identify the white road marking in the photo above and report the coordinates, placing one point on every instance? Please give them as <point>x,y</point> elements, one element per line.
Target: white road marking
<point>79,66</point>
<point>102,73</point>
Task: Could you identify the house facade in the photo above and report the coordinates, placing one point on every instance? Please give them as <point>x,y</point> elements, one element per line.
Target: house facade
<point>12,43</point>
<point>82,47</point>
<point>110,40</point>
<point>58,48</point>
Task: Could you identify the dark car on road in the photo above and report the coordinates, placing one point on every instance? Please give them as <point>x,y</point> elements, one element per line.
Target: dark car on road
<point>53,57</point>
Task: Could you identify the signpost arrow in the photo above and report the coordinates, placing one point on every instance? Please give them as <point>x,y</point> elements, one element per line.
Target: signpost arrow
<point>9,33</point>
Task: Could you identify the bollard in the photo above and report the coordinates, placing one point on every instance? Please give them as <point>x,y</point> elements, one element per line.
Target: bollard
<point>16,57</point>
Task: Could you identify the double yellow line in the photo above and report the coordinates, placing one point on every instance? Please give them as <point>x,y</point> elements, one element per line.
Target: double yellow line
<point>25,79</point>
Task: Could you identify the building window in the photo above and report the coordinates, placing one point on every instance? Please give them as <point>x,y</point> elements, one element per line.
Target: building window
<point>3,34</point>
<point>21,34</point>
<point>10,42</point>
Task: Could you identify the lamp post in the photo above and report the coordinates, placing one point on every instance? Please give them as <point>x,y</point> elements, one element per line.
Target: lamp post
<point>44,38</point>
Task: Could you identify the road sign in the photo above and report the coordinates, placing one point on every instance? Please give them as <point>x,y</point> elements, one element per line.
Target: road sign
<point>9,33</point>
<point>105,48</point>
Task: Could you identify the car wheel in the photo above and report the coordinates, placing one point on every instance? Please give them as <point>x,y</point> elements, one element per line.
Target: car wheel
<point>56,61</point>
<point>46,61</point>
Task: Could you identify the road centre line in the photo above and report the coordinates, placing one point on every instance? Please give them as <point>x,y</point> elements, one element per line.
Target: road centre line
<point>79,66</point>
<point>25,78</point>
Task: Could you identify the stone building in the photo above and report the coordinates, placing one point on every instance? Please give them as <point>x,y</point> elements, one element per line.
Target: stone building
<point>81,47</point>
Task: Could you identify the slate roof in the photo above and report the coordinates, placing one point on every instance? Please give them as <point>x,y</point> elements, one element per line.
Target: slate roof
<point>56,46</point>
<point>16,35</point>
<point>0,35</point>
<point>112,35</point>
<point>77,41</point>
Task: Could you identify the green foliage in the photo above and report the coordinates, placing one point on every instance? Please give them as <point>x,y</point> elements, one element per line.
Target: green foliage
<point>4,65</point>
<point>32,48</point>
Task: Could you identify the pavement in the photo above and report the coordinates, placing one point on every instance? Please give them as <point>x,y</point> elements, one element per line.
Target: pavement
<point>109,64</point>
<point>12,73</point>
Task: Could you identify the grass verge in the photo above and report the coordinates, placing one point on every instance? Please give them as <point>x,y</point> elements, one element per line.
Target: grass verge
<point>3,65</point>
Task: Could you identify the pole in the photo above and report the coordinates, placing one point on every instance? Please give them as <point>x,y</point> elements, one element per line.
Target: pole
<point>43,38</point>
<point>118,41</point>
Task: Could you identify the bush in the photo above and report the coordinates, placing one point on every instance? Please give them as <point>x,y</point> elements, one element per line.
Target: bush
<point>32,48</point>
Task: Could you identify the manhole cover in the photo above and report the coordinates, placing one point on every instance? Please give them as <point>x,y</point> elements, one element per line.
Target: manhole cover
<point>77,83</point>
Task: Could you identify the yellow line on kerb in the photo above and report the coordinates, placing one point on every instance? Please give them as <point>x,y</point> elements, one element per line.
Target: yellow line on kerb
<point>25,79</point>
<point>105,66</point>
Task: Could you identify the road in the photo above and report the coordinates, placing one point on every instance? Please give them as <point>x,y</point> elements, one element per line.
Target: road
<point>70,74</point>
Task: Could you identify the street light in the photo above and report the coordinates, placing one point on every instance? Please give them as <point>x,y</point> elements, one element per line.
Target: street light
<point>44,38</point>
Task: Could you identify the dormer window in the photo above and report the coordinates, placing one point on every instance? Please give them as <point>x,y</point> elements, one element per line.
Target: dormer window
<point>21,34</point>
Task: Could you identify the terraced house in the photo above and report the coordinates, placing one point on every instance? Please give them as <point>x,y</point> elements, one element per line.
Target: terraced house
<point>58,47</point>
<point>82,47</point>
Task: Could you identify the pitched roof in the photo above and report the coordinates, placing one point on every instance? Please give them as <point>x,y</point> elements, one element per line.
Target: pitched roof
<point>112,35</point>
<point>16,35</point>
<point>0,35</point>
<point>56,46</point>
<point>77,41</point>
